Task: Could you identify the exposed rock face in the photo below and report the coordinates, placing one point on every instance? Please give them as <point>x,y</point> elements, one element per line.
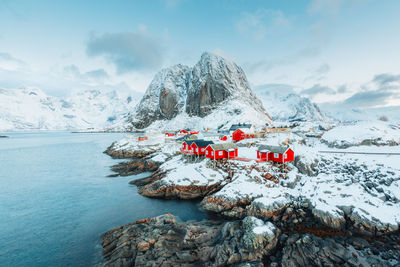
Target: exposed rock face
<point>125,154</point>
<point>164,98</point>
<point>214,80</point>
<point>164,241</point>
<point>195,91</point>
<point>154,186</point>
<point>135,166</point>
<point>309,250</point>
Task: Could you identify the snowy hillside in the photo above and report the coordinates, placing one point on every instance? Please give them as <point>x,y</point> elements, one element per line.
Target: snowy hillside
<point>363,133</point>
<point>213,94</point>
<point>347,115</point>
<point>32,109</point>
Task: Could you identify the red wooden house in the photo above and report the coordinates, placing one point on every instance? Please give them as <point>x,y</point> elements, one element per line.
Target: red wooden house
<point>186,147</point>
<point>199,146</point>
<point>222,151</point>
<point>169,134</point>
<point>242,133</point>
<point>142,138</point>
<point>223,138</point>
<point>194,132</point>
<point>183,132</point>
<point>275,153</point>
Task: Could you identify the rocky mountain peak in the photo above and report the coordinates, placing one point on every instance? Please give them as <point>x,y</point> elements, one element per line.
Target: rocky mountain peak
<point>196,91</point>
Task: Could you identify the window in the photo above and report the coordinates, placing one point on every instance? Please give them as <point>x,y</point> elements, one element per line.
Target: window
<point>212,153</point>
<point>207,152</point>
<point>202,149</point>
<point>285,156</point>
<point>220,153</point>
<point>276,155</point>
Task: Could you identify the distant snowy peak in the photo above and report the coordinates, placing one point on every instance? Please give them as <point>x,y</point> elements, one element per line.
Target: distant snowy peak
<point>32,109</point>
<point>283,104</point>
<point>183,93</point>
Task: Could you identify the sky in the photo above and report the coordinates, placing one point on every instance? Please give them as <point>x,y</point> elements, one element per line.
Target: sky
<point>333,51</point>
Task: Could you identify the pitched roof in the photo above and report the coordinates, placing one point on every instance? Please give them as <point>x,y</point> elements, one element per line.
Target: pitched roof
<point>202,143</point>
<point>223,146</point>
<point>234,127</point>
<point>187,137</point>
<point>189,142</point>
<point>273,149</point>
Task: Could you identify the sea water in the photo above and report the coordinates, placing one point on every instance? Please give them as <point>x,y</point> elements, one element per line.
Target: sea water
<point>56,200</point>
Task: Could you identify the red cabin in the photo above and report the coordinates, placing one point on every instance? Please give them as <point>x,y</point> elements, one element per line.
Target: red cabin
<point>186,147</point>
<point>242,133</point>
<point>223,138</point>
<point>169,134</point>
<point>199,146</point>
<point>275,153</point>
<point>142,138</point>
<point>222,151</point>
<point>194,132</point>
<point>183,132</point>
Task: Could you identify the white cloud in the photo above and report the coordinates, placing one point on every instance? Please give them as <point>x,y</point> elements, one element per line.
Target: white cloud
<point>262,22</point>
<point>128,51</point>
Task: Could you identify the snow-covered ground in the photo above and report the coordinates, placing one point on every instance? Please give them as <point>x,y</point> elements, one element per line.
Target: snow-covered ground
<point>379,132</point>
<point>365,188</point>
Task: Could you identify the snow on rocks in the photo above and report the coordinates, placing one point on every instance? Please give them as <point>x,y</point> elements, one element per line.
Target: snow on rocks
<point>178,179</point>
<point>129,147</point>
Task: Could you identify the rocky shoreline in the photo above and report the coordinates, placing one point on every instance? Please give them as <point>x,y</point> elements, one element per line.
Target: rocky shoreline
<point>302,236</point>
<point>164,241</point>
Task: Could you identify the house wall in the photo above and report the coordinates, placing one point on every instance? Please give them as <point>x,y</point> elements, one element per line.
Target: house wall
<point>290,155</point>
<point>238,135</point>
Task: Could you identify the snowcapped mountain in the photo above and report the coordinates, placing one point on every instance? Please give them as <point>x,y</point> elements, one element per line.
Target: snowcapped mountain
<point>285,105</point>
<point>213,94</point>
<point>32,109</point>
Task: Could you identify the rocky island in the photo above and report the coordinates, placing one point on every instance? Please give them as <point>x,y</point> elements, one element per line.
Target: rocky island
<point>335,208</point>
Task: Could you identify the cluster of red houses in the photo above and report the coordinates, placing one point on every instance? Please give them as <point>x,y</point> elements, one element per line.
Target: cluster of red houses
<point>230,151</point>
<point>209,149</point>
<point>180,133</point>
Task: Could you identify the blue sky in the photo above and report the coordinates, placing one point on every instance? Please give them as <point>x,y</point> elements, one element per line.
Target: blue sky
<point>328,50</point>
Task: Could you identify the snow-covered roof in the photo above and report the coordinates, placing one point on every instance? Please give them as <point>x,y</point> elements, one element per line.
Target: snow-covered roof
<point>234,127</point>
<point>187,137</point>
<point>273,149</point>
<point>223,146</point>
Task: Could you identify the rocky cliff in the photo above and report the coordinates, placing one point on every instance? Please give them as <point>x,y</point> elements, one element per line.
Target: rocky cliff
<point>183,93</point>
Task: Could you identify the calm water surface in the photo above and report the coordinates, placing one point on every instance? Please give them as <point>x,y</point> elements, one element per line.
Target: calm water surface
<point>56,201</point>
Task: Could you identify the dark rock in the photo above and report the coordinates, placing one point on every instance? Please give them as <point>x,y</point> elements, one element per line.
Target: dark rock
<point>164,241</point>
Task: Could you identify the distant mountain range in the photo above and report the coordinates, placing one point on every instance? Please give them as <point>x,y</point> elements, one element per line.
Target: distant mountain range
<point>32,109</point>
<point>214,93</point>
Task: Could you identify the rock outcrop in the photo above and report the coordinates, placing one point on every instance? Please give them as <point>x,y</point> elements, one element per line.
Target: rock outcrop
<point>164,241</point>
<point>196,92</point>
<point>214,80</point>
<point>155,187</point>
<point>164,98</point>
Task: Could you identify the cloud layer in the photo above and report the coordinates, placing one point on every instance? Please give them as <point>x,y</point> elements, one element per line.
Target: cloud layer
<point>128,51</point>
